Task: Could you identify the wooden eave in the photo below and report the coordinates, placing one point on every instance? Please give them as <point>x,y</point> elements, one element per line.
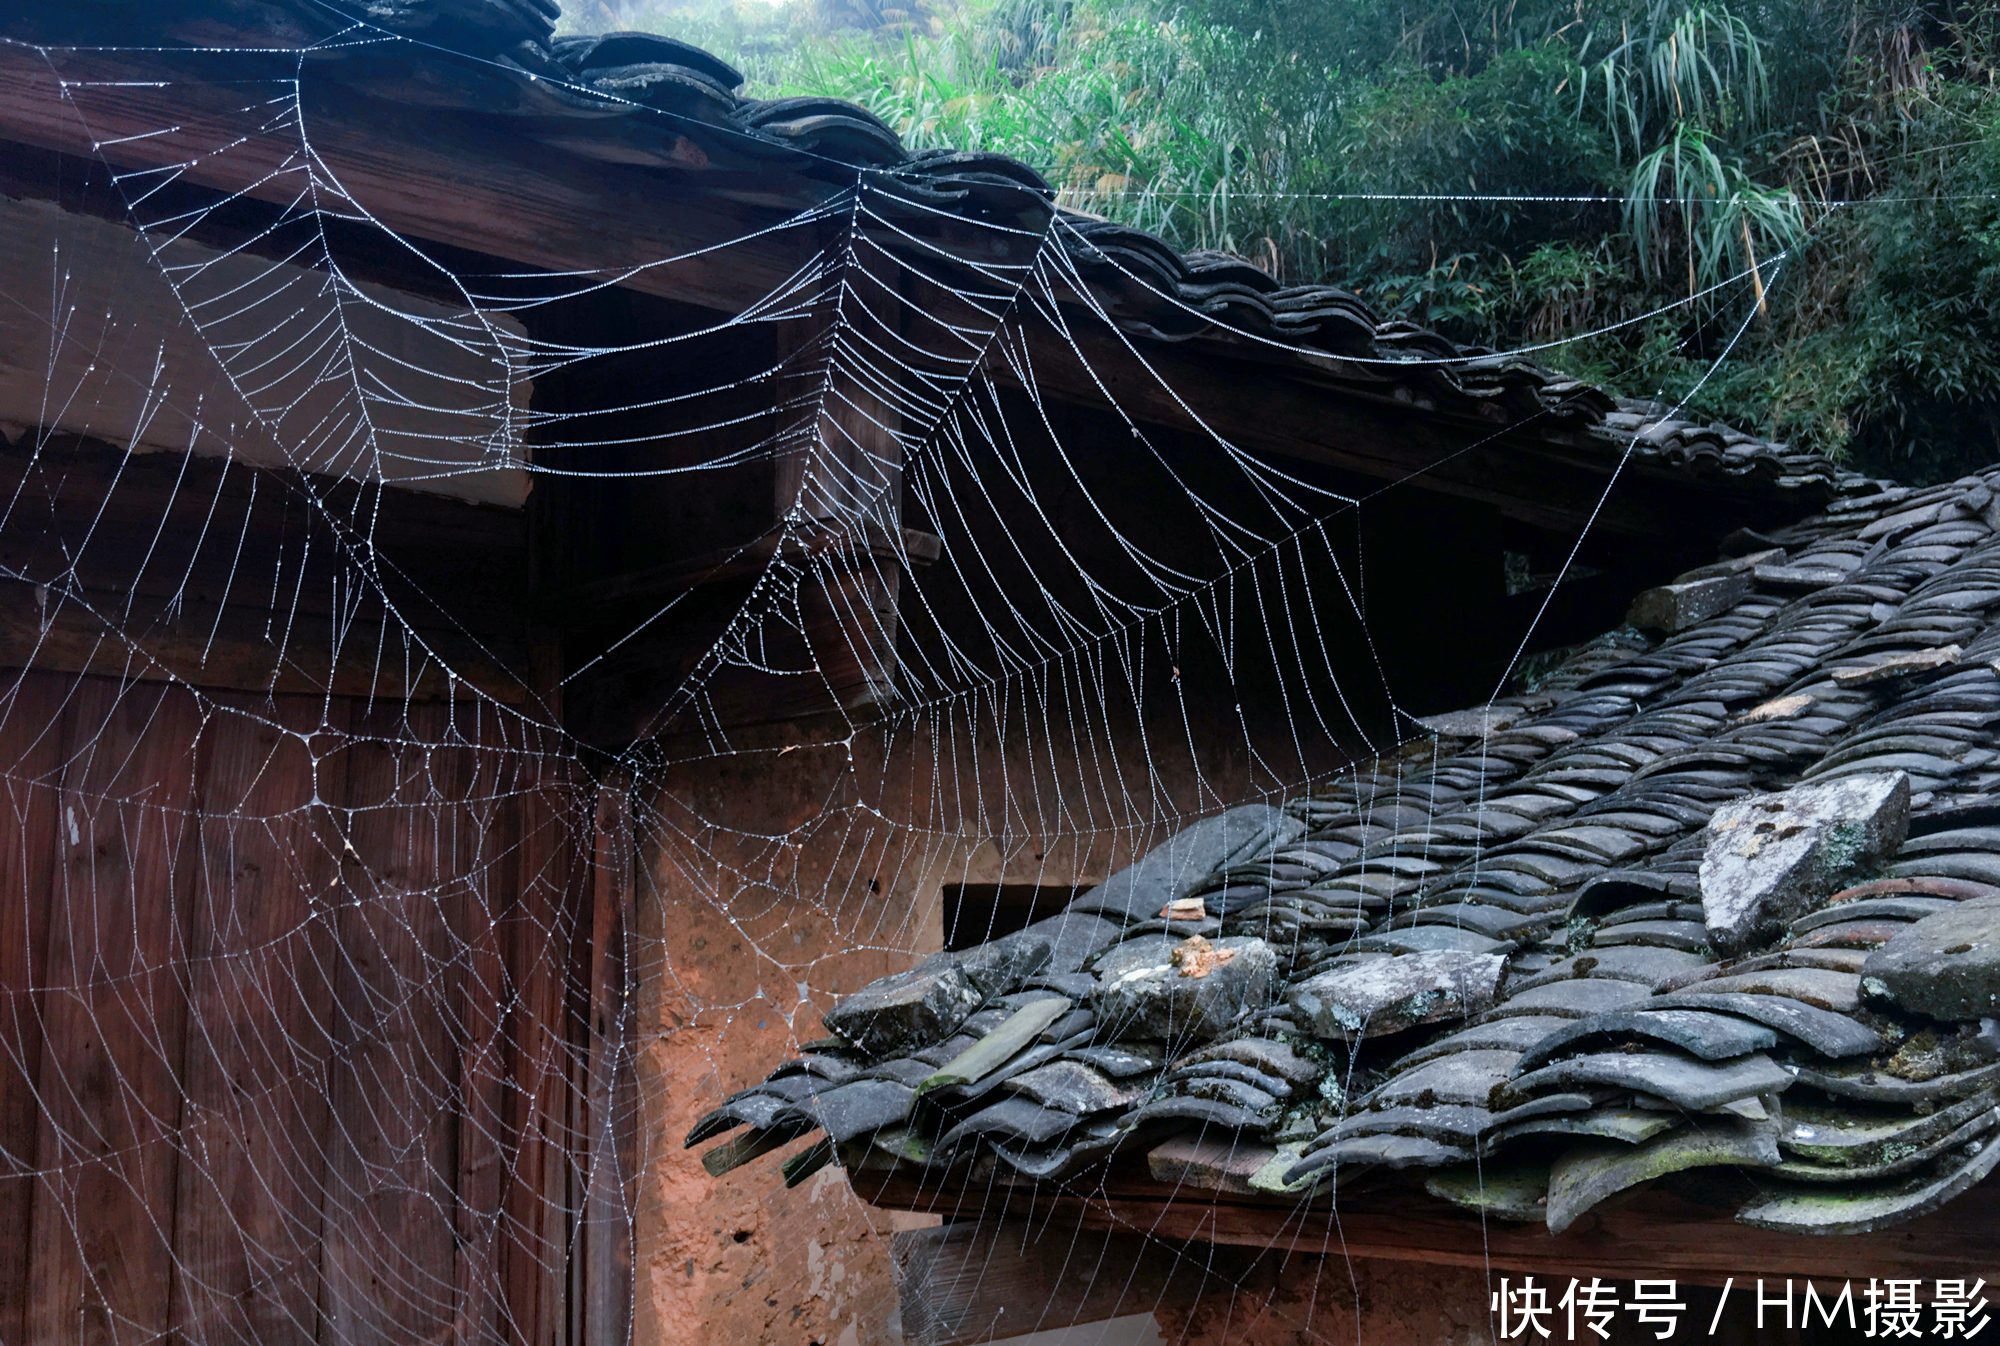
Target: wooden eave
<point>611,196</point>
<point>1655,1234</point>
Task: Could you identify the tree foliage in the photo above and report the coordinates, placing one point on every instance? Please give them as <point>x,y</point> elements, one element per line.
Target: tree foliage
<point>1630,180</point>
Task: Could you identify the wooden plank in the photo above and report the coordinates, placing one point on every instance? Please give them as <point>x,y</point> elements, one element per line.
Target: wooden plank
<point>115,1014</point>
<point>118,357</point>
<point>233,577</point>
<point>425,172</point>
<point>1655,1234</point>
<point>485,890</point>
<point>978,1280</point>
<point>247,1221</point>
<point>537,937</point>
<point>752,559</point>
<point>33,708</point>
<point>231,650</point>
<point>513,198</point>
<point>605,1280</point>
<point>387,1253</point>
<point>1547,478</point>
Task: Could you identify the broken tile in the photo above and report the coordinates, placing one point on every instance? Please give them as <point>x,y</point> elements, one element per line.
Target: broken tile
<point>1209,1111</point>
<point>1946,965</point>
<point>1451,1124</point>
<point>1117,1062</point>
<point>907,1010</point>
<point>1910,908</point>
<point>1476,723</point>
<point>1819,987</point>
<point>753,1108</point>
<point>1825,1031</point>
<point>1511,1035</point>
<point>1263,1054</point>
<point>1681,1080</point>
<point>1627,1126</point>
<point>1773,858</point>
<point>1576,998</point>
<point>1647,964</point>
<point>1431,939</point>
<point>1012,1119</point>
<point>1517,1191</point>
<point>1862,935</point>
<point>1388,1151</point>
<point>1387,995</point>
<point>733,1154</point>
<point>1072,1086</point>
<point>1825,1146</point>
<point>1685,935</point>
<point>850,1110</point>
<point>1592,1170</point>
<point>1223,1089</point>
<point>1181,992</point>
<point>1706,1034</point>
<point>1184,1072</point>
<point>1465,1078</point>
<point>1896,666</point>
<point>1810,1208</point>
<point>1187,862</point>
<point>1870,1086</point>
<point>1195,1161</point>
<point>1783,708</point>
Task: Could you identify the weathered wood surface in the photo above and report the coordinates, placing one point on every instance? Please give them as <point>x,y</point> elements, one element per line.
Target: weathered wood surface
<point>602,1291</point>
<point>979,1280</point>
<point>519,198</point>
<point>426,172</point>
<point>1655,1234</point>
<point>247,1216</point>
<point>224,576</point>
<point>539,929</point>
<point>387,1256</point>
<point>114,1017</point>
<point>270,987</point>
<point>117,355</point>
<point>30,773</point>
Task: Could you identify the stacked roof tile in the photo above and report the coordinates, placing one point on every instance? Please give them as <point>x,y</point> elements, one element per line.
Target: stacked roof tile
<point>1489,963</point>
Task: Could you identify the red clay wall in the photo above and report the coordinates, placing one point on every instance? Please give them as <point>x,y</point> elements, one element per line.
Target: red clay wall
<point>771,880</point>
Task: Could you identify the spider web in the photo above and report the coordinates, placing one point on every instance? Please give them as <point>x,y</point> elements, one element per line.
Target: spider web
<point>334,971</point>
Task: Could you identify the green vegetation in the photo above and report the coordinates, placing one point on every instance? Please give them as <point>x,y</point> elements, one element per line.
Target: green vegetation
<point>1628,178</point>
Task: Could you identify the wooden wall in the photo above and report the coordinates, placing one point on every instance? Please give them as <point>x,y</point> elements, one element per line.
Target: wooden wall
<point>298,1041</point>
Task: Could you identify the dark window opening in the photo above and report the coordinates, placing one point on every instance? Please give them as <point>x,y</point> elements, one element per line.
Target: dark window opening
<point>977,912</point>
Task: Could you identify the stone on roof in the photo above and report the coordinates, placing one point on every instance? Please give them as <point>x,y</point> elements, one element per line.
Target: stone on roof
<point>1553,920</point>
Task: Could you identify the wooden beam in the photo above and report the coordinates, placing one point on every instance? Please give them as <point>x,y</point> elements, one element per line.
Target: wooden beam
<point>98,342</point>
<point>115,1020</point>
<point>602,1273</point>
<point>1656,1233</point>
<point>541,806</point>
<point>979,1280</point>
<point>1546,476</point>
<point>259,997</point>
<point>388,1244</point>
<point>752,559</point>
<point>32,742</point>
<point>163,566</point>
<point>221,119</point>
<point>445,176</point>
